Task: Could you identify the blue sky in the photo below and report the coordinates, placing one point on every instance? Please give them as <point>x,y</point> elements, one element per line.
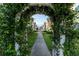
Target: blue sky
<point>40,19</point>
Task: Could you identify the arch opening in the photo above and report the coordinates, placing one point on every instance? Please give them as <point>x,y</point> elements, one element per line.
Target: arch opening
<point>26,23</point>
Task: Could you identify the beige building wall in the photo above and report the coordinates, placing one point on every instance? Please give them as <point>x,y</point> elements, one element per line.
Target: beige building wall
<point>48,24</point>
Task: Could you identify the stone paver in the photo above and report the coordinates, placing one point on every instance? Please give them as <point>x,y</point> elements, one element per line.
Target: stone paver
<point>40,48</point>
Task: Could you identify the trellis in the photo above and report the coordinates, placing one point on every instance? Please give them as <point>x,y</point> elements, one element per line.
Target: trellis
<point>20,15</point>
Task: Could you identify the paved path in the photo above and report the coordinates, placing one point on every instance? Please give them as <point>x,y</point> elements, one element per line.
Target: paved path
<point>40,48</point>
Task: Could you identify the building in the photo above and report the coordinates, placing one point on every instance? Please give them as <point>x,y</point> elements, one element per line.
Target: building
<point>47,25</point>
<point>34,26</point>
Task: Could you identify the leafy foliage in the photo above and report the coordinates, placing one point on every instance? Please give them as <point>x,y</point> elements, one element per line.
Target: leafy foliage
<point>16,30</point>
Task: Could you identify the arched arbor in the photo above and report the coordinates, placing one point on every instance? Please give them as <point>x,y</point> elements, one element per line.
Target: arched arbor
<point>18,16</point>
<point>31,9</point>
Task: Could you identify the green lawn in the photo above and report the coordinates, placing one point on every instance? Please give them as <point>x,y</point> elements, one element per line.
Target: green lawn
<point>31,39</point>
<point>48,39</point>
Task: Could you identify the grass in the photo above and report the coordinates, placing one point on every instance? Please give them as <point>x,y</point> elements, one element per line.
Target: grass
<point>48,39</point>
<point>31,39</point>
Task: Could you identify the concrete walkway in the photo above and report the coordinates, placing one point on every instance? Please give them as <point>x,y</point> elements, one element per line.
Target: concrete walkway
<point>40,48</point>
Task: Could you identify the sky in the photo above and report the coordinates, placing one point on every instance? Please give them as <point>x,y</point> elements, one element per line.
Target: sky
<point>40,19</point>
<point>75,5</point>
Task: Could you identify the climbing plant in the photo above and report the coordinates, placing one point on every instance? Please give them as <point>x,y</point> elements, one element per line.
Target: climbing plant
<point>14,26</point>
<point>62,14</point>
<point>8,27</point>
